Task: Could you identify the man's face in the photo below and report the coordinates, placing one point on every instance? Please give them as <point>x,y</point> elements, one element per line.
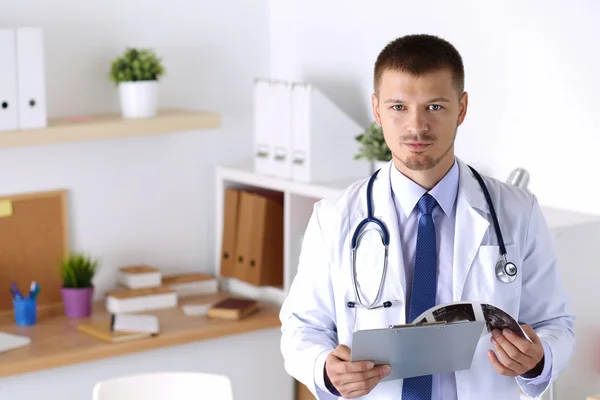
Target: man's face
<point>419,116</point>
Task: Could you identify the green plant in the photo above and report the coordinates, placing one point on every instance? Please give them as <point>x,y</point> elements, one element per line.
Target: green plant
<point>77,271</point>
<point>372,145</point>
<point>136,65</point>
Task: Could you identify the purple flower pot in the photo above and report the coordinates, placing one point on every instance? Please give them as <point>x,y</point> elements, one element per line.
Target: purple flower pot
<point>77,301</point>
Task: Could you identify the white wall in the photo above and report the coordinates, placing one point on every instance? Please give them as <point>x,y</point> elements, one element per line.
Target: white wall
<point>142,199</point>
<point>531,72</point>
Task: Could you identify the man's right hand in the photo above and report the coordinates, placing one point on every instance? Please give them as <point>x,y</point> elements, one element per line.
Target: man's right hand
<point>352,379</point>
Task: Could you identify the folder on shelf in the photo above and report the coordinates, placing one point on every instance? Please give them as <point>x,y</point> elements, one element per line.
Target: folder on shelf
<point>265,266</point>
<point>31,78</point>
<point>230,224</point>
<point>8,81</point>
<point>259,243</point>
<point>244,234</point>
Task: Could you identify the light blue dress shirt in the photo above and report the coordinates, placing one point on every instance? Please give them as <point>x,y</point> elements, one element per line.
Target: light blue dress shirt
<point>406,195</point>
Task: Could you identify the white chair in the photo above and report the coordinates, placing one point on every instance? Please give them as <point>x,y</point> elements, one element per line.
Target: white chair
<point>165,386</point>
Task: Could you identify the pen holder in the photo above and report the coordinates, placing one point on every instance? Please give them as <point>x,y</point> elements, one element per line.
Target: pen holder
<point>25,311</point>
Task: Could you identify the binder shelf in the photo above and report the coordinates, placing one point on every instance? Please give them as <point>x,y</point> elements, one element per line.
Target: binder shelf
<point>244,223</point>
<point>109,126</point>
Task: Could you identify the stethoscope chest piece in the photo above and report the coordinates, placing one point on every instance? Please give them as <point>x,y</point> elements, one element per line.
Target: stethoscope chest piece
<point>506,271</point>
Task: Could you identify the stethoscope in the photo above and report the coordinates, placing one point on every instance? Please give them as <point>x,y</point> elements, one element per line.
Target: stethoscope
<point>506,271</point>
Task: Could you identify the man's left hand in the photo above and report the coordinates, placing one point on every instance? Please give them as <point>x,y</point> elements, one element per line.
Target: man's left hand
<point>516,355</point>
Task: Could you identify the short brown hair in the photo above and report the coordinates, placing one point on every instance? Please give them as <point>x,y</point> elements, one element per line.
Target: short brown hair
<point>420,54</point>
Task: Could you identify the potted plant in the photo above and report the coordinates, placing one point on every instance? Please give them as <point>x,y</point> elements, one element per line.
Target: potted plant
<point>373,147</point>
<point>77,273</point>
<point>136,73</point>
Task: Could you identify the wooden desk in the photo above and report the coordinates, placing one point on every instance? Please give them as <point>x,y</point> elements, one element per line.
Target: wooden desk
<point>55,340</point>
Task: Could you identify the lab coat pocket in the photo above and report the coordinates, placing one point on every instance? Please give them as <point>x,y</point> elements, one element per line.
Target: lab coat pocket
<point>487,287</point>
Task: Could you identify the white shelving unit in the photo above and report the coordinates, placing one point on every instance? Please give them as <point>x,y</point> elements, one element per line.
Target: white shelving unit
<point>298,199</point>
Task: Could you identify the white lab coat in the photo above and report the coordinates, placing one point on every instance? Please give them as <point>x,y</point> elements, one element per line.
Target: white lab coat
<point>315,318</point>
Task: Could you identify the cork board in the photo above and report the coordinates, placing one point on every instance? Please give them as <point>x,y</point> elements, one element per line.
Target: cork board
<point>34,240</point>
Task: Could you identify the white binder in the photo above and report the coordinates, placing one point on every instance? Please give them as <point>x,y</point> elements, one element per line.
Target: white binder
<point>323,139</point>
<point>8,81</point>
<point>281,131</point>
<point>263,149</point>
<point>31,78</point>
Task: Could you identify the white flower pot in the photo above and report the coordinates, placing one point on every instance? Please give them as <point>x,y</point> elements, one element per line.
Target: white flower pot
<point>138,99</point>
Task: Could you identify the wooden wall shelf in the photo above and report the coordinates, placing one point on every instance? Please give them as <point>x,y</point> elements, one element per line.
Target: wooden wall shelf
<point>109,126</point>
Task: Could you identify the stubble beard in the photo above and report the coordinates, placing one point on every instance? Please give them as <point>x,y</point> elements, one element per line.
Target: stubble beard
<point>422,162</point>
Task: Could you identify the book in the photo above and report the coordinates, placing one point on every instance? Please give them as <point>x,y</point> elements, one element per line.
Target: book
<point>135,323</point>
<point>494,317</point>
<point>139,276</point>
<point>233,308</point>
<point>102,330</point>
<point>191,284</point>
<point>196,310</point>
<point>137,300</point>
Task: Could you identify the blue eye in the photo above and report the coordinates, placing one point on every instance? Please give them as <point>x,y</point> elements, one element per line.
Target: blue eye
<point>435,107</point>
<point>396,107</point>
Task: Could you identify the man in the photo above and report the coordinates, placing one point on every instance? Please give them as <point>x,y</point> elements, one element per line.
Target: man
<point>442,248</point>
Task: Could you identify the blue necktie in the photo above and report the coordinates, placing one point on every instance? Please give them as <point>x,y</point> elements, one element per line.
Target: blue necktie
<point>424,289</point>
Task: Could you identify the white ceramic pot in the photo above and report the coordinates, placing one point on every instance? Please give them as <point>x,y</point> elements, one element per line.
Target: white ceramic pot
<point>138,99</point>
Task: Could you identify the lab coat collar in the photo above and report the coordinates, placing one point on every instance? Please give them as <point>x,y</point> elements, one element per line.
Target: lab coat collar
<point>469,189</point>
<point>409,192</point>
<point>470,227</point>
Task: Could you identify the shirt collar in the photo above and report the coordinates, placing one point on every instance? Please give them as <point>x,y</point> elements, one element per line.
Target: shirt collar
<point>408,192</point>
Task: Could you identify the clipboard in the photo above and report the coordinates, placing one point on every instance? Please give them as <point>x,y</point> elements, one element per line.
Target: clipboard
<point>421,349</point>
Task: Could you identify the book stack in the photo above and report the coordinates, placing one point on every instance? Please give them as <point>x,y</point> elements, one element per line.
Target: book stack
<point>144,288</point>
